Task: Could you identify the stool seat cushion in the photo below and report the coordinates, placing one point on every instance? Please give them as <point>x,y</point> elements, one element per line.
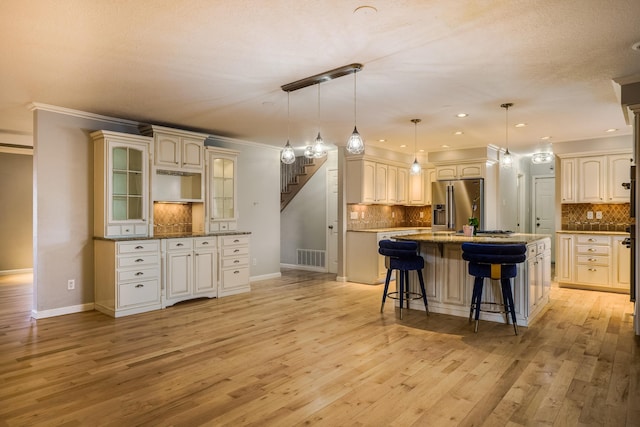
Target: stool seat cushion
<point>494,253</point>
<point>414,262</point>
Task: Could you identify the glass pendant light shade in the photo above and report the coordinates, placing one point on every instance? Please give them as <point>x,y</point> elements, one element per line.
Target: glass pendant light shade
<point>288,156</point>
<point>415,168</point>
<point>355,145</point>
<point>308,152</point>
<point>319,149</point>
<point>542,157</point>
<point>506,160</point>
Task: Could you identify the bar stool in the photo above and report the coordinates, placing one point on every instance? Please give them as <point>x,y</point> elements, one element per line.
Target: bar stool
<point>494,261</point>
<point>402,256</point>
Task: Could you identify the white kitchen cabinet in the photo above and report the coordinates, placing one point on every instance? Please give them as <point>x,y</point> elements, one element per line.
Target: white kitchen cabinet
<point>234,264</point>
<point>221,189</point>
<point>417,189</point>
<point>121,184</point>
<point>568,180</point>
<point>177,149</point>
<point>190,269</point>
<point>592,179</point>
<point>381,183</point>
<point>595,179</point>
<point>460,171</point>
<point>126,276</point>
<point>402,188</point>
<point>594,261</point>
<point>564,264</point>
<point>372,181</point>
<point>618,167</point>
<point>538,275</point>
<point>429,179</point>
<point>621,264</point>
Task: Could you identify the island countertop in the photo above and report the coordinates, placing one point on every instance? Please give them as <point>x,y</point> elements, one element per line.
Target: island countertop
<point>447,237</point>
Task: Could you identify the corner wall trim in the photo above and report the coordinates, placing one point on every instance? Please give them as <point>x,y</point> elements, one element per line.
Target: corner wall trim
<point>62,311</point>
<point>265,277</point>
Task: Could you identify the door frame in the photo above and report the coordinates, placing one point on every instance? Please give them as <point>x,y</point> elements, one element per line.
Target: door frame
<point>532,218</point>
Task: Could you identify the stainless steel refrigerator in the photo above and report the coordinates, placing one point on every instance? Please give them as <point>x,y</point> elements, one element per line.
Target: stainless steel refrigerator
<point>454,202</point>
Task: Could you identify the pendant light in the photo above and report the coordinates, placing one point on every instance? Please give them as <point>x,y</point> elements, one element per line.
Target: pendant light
<point>319,149</point>
<point>355,144</point>
<point>506,160</point>
<point>288,156</point>
<point>415,166</point>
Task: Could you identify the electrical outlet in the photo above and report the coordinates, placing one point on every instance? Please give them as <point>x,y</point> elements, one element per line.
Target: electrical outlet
<point>598,214</point>
<point>71,284</point>
<point>393,214</point>
<point>255,261</point>
<point>354,215</point>
<point>421,214</point>
<point>589,214</point>
<point>362,215</point>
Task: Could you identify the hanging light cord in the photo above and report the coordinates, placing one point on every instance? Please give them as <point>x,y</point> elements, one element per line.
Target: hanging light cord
<point>415,139</point>
<point>355,115</point>
<point>506,127</point>
<point>318,108</point>
<point>288,117</point>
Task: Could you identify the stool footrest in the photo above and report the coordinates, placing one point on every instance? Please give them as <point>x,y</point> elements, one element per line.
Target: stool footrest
<point>411,295</point>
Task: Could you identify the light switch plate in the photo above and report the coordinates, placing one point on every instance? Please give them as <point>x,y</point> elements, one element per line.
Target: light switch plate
<point>598,214</point>
<point>354,215</point>
<point>589,214</point>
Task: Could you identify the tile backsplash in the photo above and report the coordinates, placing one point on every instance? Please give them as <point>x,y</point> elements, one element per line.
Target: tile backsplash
<point>383,216</point>
<point>171,218</point>
<point>615,217</point>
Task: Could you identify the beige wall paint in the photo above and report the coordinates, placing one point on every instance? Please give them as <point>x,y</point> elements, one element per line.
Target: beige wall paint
<point>16,211</point>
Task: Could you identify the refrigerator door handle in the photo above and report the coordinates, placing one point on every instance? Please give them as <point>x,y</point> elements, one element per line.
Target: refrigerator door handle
<point>451,219</point>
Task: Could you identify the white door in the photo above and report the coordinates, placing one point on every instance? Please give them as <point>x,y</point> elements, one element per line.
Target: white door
<point>543,221</point>
<point>332,220</point>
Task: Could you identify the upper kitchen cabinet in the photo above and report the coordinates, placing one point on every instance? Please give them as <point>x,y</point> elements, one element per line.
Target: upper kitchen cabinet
<point>595,179</point>
<point>121,184</point>
<point>221,180</point>
<point>376,181</point>
<point>460,171</point>
<point>430,178</point>
<point>177,149</point>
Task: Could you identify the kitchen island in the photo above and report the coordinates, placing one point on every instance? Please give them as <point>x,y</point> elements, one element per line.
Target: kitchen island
<point>449,284</point>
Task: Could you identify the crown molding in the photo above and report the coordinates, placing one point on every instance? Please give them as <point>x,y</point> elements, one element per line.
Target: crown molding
<point>80,114</point>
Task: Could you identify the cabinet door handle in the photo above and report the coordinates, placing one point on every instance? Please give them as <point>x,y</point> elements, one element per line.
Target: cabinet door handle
<point>139,285</point>
<point>592,240</point>
<point>236,241</point>
<point>591,250</point>
<point>236,272</point>
<point>139,260</point>
<point>139,273</point>
<point>126,230</point>
<point>236,261</point>
<point>179,244</point>
<point>139,247</point>
<point>236,251</point>
<point>593,269</point>
<point>205,243</point>
<point>592,259</point>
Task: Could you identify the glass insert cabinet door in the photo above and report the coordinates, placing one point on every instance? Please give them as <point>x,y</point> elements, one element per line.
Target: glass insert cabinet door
<point>127,183</point>
<point>222,185</point>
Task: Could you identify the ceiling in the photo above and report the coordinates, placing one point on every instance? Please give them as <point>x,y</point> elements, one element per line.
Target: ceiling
<point>217,66</point>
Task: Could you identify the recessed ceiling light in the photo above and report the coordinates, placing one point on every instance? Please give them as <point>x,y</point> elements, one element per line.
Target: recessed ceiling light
<point>461,115</point>
<point>611,130</point>
<point>635,46</point>
<point>421,150</point>
<point>365,10</point>
<point>403,146</point>
<point>382,140</point>
<point>444,146</point>
<point>521,125</point>
<point>458,132</point>
<point>545,137</point>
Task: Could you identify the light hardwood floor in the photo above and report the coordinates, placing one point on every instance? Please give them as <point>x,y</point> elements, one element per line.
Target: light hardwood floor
<point>304,349</point>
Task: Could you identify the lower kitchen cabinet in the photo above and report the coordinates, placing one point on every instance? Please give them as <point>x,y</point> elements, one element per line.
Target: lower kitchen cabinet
<point>190,269</point>
<point>593,261</point>
<point>234,265</point>
<point>127,276</point>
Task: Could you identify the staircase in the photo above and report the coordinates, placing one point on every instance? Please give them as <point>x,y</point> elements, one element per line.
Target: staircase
<point>294,176</point>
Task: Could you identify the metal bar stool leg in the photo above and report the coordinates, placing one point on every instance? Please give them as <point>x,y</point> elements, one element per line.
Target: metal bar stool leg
<point>478,283</point>
<point>507,296</point>
<point>424,292</point>
<point>386,289</point>
<point>400,278</point>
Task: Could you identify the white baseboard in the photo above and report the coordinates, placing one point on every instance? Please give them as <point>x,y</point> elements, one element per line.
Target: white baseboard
<point>62,311</point>
<point>17,271</point>
<point>304,267</point>
<point>341,279</point>
<point>265,277</point>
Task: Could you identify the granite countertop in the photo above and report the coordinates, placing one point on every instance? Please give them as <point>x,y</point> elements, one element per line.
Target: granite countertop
<point>611,233</point>
<point>173,236</point>
<point>447,237</point>
<point>388,229</point>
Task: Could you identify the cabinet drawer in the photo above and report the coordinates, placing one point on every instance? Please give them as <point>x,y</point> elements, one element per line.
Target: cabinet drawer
<point>138,260</point>
<point>138,293</point>
<point>137,274</point>
<point>179,244</point>
<point>593,260</point>
<point>235,277</point>
<point>592,239</point>
<point>234,261</point>
<point>596,275</point>
<point>235,240</point>
<point>240,250</point>
<point>140,246</point>
<point>592,250</point>
<point>202,242</point>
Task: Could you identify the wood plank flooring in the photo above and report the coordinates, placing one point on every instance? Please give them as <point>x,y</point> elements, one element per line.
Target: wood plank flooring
<point>306,350</point>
